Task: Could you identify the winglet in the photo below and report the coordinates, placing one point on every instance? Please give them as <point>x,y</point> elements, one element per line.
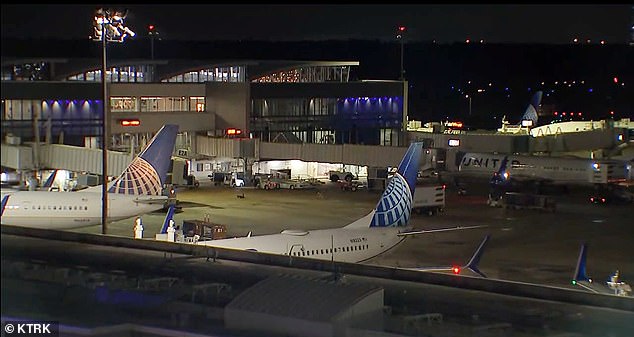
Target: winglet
<point>4,203</point>
<point>475,259</point>
<point>580,271</point>
<point>168,217</point>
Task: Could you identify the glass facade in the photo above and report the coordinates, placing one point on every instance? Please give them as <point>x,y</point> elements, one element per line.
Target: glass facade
<point>233,74</point>
<point>352,120</point>
<point>39,71</point>
<point>73,119</point>
<point>124,74</point>
<point>312,74</point>
<point>157,104</point>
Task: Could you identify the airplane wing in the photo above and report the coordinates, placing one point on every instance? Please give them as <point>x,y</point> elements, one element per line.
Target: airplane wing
<point>152,199</point>
<point>439,230</point>
<point>471,265</point>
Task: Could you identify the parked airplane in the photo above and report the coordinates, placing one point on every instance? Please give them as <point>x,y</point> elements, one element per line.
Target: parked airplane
<point>47,186</point>
<point>136,191</point>
<point>383,228</point>
<point>529,119</point>
<point>612,287</point>
<point>555,170</point>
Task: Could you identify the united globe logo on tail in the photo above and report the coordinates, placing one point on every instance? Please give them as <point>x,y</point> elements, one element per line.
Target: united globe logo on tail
<point>139,179</point>
<point>395,206</point>
<point>148,171</point>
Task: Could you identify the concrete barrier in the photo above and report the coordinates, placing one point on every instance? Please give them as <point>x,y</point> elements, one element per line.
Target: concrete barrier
<point>511,288</point>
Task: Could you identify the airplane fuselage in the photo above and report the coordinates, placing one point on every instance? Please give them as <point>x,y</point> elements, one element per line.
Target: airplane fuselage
<point>557,170</point>
<point>65,210</point>
<point>338,244</point>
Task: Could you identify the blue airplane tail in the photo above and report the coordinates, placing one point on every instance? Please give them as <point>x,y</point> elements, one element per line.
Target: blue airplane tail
<point>49,181</point>
<point>531,110</point>
<point>501,176</point>
<point>395,206</point>
<point>147,173</point>
<point>580,271</point>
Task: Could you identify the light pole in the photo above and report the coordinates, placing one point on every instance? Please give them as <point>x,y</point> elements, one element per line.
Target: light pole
<point>153,34</point>
<point>108,27</point>
<point>399,35</point>
<point>469,97</point>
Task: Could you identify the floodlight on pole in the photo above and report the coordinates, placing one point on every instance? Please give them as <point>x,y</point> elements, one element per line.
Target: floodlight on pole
<point>153,34</point>
<point>108,27</point>
<point>399,35</point>
<point>469,97</point>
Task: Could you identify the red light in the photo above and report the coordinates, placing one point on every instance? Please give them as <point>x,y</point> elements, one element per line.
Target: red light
<point>563,113</point>
<point>455,270</point>
<point>555,113</point>
<point>233,132</point>
<point>611,112</point>
<point>129,122</point>
<point>401,28</point>
<point>467,41</point>
<point>616,79</point>
<point>579,114</point>
<point>151,27</point>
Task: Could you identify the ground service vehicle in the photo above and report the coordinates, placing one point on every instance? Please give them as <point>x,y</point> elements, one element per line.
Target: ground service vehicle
<point>340,175</point>
<point>514,200</point>
<point>293,184</point>
<point>203,229</point>
<point>429,199</point>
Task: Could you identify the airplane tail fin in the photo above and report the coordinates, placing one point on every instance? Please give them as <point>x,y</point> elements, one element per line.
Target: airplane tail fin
<point>531,110</point>
<point>501,175</point>
<point>49,181</point>
<point>147,173</point>
<point>580,271</point>
<point>395,206</point>
<point>475,259</point>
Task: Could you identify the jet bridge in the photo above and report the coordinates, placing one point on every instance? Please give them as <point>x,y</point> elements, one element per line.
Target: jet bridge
<point>63,157</point>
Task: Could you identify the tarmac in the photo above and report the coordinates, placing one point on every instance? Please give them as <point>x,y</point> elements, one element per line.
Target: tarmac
<point>525,245</point>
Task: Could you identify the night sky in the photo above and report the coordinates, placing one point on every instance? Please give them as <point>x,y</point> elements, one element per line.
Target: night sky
<point>444,23</point>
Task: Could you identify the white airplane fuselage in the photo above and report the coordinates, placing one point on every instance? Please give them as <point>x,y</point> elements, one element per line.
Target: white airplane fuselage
<point>65,210</point>
<point>557,170</point>
<point>344,244</point>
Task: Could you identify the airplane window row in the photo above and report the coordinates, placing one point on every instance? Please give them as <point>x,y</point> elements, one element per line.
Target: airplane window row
<point>329,250</point>
<point>59,208</point>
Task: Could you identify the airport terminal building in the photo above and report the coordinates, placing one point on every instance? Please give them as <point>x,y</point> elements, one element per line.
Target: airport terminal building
<point>289,101</point>
<point>252,110</point>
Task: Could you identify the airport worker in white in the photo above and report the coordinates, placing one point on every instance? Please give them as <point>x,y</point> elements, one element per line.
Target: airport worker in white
<point>138,228</point>
<point>171,232</point>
